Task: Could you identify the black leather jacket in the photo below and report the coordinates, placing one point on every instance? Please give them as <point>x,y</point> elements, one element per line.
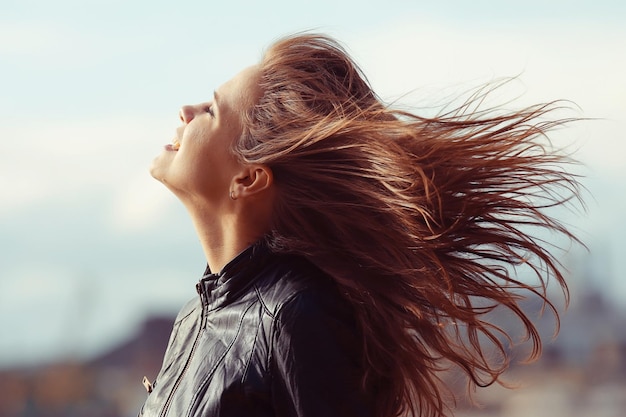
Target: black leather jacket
<point>270,335</point>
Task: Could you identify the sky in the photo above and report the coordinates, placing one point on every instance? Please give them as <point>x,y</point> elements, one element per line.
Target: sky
<point>90,244</point>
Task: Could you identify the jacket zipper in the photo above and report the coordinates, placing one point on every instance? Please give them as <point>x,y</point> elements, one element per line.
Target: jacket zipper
<point>170,398</point>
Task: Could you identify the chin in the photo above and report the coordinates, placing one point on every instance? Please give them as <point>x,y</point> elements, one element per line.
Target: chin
<point>157,172</point>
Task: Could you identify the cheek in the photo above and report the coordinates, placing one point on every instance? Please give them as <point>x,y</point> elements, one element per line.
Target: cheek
<point>191,166</point>
<point>205,173</point>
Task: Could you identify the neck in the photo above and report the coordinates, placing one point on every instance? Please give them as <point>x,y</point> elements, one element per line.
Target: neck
<point>223,237</point>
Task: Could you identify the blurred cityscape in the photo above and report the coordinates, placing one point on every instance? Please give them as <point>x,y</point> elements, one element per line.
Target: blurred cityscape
<point>581,373</point>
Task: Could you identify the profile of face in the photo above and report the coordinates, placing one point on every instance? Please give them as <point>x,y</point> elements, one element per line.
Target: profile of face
<point>198,166</point>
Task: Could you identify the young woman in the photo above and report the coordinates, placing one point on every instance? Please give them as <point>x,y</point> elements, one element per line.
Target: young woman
<point>353,249</point>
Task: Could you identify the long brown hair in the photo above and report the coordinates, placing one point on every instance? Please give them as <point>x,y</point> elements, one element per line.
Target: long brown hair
<point>422,221</point>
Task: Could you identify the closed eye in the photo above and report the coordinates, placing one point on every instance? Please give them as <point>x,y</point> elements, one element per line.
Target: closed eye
<point>209,109</point>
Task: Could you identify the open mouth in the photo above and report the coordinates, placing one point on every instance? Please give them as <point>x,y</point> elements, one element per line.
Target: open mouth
<point>175,145</point>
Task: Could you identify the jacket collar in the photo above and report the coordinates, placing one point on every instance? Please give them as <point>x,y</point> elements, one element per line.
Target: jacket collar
<point>216,290</point>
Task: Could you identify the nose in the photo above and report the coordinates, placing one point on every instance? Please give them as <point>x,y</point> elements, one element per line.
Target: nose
<point>186,114</point>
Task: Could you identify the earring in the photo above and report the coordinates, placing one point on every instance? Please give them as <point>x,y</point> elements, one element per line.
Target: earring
<point>232,195</point>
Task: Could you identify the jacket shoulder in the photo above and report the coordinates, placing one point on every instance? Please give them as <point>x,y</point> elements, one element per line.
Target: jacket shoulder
<point>290,277</point>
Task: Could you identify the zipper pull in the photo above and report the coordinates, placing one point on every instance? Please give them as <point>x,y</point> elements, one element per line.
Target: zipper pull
<point>146,383</point>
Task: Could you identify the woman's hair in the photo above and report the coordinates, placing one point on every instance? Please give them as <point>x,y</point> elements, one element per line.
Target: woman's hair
<point>422,221</point>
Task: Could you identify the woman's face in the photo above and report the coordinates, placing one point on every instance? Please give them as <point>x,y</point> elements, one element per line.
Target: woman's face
<point>198,165</point>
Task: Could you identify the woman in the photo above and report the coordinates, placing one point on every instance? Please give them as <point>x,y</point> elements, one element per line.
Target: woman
<point>353,250</point>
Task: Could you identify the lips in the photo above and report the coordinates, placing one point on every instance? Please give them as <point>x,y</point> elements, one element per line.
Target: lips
<point>174,146</point>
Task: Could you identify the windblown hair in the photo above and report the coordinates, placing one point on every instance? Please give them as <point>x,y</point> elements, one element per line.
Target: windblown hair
<point>422,221</point>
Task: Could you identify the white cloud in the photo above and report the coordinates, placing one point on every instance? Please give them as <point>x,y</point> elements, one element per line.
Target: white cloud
<point>556,60</point>
<point>140,204</point>
<point>48,158</point>
<point>24,38</point>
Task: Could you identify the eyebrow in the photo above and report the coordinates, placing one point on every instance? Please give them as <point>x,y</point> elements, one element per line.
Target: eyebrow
<point>216,98</point>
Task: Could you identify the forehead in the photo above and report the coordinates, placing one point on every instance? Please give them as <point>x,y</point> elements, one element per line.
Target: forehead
<point>241,91</point>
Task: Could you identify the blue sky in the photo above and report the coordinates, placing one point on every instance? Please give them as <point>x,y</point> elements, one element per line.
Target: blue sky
<point>90,90</point>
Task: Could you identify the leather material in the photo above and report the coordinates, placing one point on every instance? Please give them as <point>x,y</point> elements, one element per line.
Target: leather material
<point>270,335</point>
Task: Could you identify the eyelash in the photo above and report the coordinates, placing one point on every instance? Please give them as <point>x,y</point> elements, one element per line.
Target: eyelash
<point>209,110</point>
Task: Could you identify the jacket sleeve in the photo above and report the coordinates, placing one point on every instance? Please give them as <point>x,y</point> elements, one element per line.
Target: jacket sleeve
<point>315,359</point>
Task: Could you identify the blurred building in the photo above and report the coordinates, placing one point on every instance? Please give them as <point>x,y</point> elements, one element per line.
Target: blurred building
<point>107,386</point>
<point>582,373</point>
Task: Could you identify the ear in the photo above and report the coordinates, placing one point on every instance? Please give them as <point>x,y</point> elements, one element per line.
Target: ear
<point>251,180</point>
